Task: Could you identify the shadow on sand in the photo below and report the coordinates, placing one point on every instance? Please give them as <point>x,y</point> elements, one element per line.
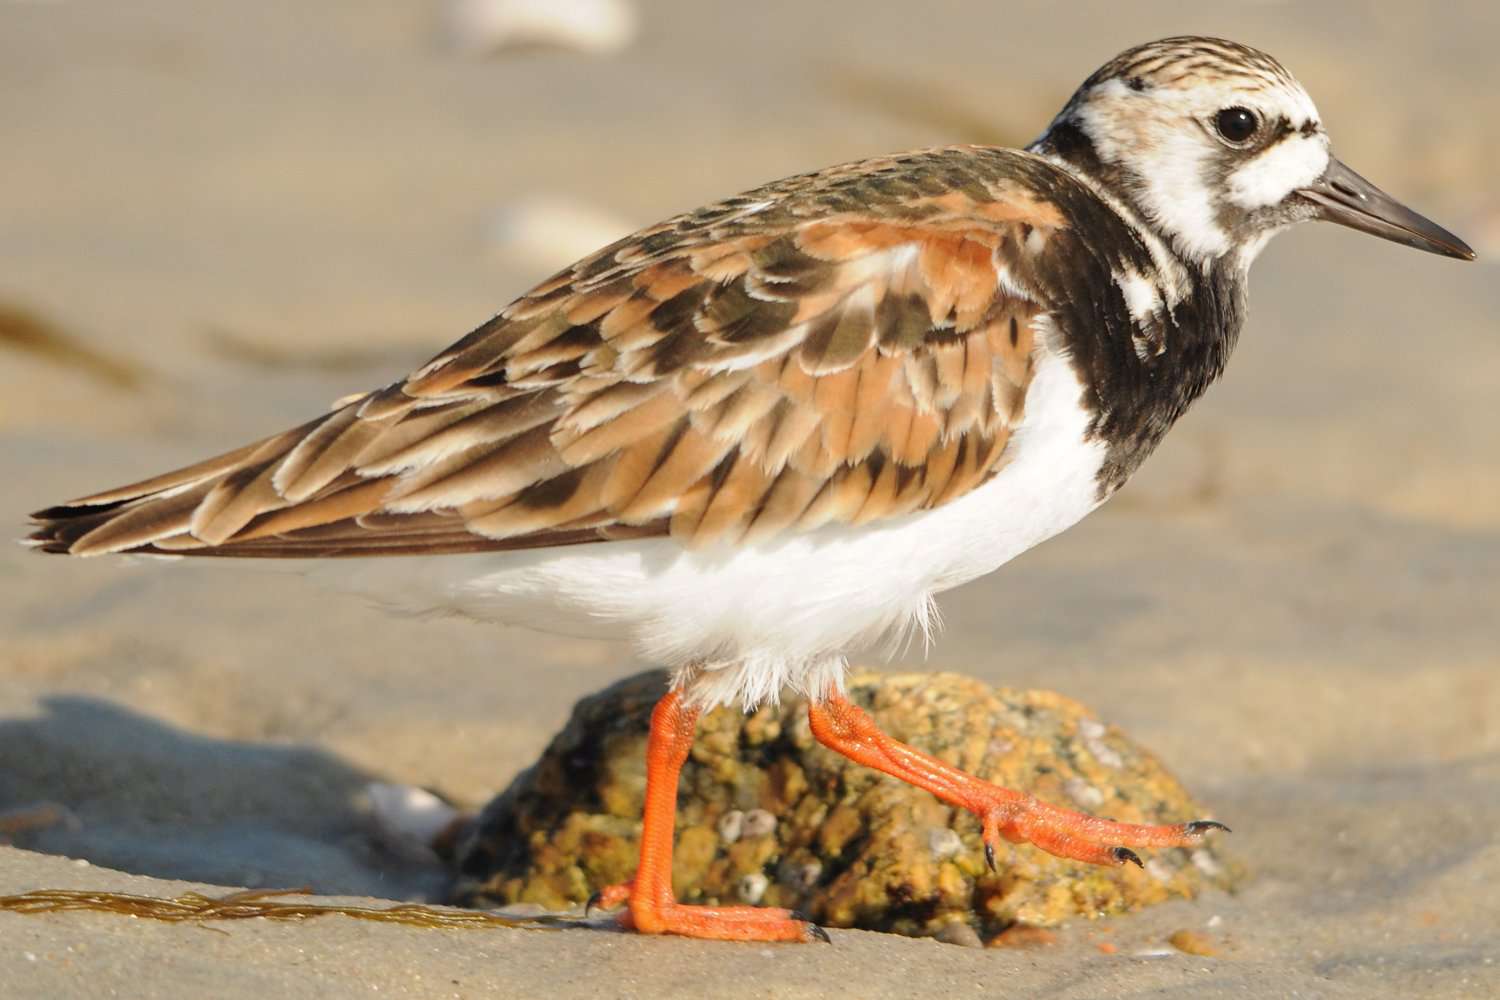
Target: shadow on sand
<point>154,800</point>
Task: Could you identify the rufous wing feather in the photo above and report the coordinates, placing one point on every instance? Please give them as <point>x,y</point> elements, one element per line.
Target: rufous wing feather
<point>839,348</point>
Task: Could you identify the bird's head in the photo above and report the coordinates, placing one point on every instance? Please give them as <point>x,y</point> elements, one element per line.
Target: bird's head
<point>1219,148</point>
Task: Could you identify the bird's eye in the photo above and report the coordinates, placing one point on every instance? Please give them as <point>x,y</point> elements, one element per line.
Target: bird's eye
<point>1236,125</point>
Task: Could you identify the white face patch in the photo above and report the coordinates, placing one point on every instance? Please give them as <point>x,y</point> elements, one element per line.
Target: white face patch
<point>1166,158</point>
<point>1293,162</point>
<point>1164,137</point>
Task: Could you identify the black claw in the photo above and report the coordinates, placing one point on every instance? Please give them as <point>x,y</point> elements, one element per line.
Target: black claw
<point>813,930</point>
<point>1124,854</point>
<point>594,900</point>
<point>989,856</point>
<point>1198,826</point>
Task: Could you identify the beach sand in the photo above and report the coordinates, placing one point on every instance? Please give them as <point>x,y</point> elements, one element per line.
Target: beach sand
<point>248,210</point>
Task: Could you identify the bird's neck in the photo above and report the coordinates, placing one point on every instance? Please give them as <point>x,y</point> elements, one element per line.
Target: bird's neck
<point>1197,241</point>
<point>1165,330</point>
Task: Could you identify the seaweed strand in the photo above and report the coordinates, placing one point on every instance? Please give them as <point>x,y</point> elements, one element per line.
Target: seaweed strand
<point>194,907</point>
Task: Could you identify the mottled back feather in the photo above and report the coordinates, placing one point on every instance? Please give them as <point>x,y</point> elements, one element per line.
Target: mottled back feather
<point>836,348</point>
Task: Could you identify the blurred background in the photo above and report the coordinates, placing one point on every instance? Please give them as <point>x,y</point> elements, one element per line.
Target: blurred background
<point>217,217</point>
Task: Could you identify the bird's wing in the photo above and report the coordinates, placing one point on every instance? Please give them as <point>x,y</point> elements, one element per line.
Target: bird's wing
<point>838,348</point>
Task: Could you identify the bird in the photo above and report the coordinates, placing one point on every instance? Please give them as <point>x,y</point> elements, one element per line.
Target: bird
<point>768,432</point>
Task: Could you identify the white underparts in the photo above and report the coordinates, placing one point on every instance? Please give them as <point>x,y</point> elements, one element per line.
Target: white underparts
<point>745,623</point>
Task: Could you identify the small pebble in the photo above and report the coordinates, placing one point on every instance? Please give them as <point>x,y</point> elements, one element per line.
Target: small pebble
<point>757,823</point>
<point>1193,943</point>
<point>730,826</point>
<point>38,816</point>
<point>959,933</point>
<point>1205,863</point>
<point>1083,793</point>
<point>1023,936</point>
<point>1093,732</point>
<point>943,842</point>
<point>751,888</point>
<point>801,876</point>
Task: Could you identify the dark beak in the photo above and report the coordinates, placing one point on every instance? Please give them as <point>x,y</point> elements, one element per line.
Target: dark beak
<point>1344,197</point>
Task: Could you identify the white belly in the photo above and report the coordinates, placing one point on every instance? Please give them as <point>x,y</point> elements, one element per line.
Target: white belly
<point>782,614</point>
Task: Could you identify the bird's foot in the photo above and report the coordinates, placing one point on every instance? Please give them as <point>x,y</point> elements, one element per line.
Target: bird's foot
<point>1023,819</point>
<point>842,726</point>
<point>719,923</point>
<point>611,897</point>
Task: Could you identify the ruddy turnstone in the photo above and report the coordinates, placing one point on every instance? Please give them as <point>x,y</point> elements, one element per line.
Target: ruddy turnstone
<point>769,431</point>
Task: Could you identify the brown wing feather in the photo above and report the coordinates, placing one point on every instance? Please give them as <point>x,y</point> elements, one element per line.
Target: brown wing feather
<point>839,348</point>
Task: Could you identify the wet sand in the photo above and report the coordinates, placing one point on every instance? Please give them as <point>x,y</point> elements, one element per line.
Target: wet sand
<point>259,208</point>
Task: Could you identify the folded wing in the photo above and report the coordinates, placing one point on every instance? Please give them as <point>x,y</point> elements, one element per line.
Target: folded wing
<point>839,348</point>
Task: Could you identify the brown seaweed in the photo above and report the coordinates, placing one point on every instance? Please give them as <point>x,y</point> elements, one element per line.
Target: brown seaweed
<point>194,907</point>
<point>24,330</point>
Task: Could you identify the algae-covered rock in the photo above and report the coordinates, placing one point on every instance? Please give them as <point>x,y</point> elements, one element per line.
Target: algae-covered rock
<point>769,816</point>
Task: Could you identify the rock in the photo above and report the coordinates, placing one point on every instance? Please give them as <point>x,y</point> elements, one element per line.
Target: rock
<point>816,832</point>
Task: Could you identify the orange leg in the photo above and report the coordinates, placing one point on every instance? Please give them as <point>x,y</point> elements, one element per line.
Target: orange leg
<point>652,907</point>
<point>843,726</point>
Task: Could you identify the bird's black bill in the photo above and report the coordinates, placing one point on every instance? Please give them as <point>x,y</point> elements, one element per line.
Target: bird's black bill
<point>1344,197</point>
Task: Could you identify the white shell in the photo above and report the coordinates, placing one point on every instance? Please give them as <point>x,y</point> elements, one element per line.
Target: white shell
<point>404,813</point>
<point>482,26</point>
<point>547,232</point>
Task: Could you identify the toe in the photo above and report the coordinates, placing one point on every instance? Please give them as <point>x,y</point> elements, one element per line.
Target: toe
<point>608,898</point>
<point>1198,827</point>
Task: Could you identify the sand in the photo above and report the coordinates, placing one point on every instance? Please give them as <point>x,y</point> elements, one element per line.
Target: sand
<point>256,208</point>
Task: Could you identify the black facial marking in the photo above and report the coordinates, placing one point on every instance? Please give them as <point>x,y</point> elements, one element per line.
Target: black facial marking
<point>1136,84</point>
